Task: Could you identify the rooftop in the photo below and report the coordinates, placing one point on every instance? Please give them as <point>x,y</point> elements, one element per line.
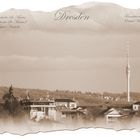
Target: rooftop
<point>137,103</point>
<point>64,100</point>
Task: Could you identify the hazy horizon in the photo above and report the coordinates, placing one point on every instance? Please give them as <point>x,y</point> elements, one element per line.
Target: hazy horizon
<point>71,55</point>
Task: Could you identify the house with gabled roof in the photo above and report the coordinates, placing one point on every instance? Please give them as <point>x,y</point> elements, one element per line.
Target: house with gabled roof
<point>115,114</point>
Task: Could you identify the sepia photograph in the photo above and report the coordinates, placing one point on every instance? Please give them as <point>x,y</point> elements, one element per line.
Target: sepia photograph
<point>74,67</point>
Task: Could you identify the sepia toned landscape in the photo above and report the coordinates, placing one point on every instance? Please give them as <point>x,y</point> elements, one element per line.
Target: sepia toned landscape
<point>71,68</point>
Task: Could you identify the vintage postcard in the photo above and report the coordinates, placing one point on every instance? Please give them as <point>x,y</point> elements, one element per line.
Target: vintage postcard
<point>74,67</point>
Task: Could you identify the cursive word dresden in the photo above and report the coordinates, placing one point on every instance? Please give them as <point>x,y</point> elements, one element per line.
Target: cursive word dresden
<point>68,15</point>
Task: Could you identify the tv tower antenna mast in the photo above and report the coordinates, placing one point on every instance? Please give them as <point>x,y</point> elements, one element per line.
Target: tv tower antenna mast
<point>128,73</point>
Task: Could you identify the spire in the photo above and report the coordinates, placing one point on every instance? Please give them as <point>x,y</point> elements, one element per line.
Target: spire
<point>27,95</point>
<point>128,73</point>
<point>11,89</point>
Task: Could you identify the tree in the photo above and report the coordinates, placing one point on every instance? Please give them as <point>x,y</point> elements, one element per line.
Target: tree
<point>11,102</point>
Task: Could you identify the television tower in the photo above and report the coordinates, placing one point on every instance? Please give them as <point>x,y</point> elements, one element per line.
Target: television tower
<point>128,75</point>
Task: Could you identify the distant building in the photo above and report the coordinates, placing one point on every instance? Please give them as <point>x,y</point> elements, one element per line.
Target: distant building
<point>42,110</point>
<point>52,110</point>
<point>68,103</point>
<point>115,114</point>
<point>136,106</point>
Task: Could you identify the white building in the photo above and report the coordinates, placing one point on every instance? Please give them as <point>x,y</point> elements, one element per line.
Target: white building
<point>136,106</point>
<point>43,110</point>
<point>112,115</point>
<point>115,114</point>
<point>52,110</point>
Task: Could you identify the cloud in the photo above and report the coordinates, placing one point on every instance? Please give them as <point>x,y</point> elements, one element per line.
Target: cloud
<point>70,63</point>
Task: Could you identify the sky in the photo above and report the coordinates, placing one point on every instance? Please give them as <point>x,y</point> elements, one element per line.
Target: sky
<point>69,55</point>
<point>50,5</point>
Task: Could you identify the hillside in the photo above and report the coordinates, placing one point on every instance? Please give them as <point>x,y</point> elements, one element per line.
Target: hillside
<point>84,99</point>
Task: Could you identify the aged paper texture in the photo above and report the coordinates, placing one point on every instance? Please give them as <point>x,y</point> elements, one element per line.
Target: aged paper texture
<point>74,67</point>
